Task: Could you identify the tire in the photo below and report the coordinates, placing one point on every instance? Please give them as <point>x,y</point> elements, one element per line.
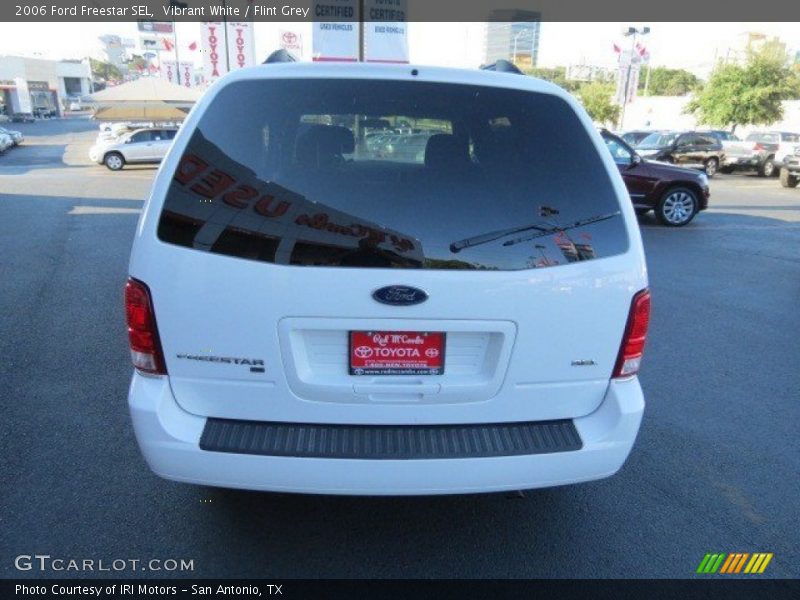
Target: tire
<point>677,207</point>
<point>787,179</point>
<point>711,166</point>
<point>767,169</point>
<point>114,161</point>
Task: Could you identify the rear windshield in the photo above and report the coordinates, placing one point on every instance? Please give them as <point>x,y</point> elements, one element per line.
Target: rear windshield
<point>659,140</point>
<point>389,174</point>
<point>764,137</point>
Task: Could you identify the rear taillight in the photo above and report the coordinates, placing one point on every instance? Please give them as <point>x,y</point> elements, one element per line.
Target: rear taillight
<point>632,347</point>
<point>758,147</point>
<point>145,346</point>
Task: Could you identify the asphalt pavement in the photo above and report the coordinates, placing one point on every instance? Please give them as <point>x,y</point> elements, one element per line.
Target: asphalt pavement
<point>715,467</point>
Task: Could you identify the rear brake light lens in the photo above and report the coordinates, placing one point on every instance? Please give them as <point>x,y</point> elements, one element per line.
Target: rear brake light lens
<point>632,347</point>
<point>145,346</point>
<point>758,147</point>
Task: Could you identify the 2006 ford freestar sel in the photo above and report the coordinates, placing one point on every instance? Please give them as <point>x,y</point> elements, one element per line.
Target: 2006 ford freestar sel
<point>361,279</point>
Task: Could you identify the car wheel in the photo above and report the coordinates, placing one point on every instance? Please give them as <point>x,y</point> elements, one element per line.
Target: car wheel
<point>711,166</point>
<point>114,161</point>
<point>677,207</point>
<point>788,180</point>
<point>767,169</point>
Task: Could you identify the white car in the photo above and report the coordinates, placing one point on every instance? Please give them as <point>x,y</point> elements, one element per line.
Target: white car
<point>140,146</point>
<point>16,136</point>
<point>304,317</point>
<point>6,142</point>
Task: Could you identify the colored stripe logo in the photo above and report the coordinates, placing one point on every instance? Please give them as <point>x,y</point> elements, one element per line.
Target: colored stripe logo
<point>735,562</point>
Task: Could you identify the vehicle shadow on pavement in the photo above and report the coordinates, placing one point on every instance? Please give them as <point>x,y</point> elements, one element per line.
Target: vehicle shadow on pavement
<point>31,157</point>
<point>391,536</point>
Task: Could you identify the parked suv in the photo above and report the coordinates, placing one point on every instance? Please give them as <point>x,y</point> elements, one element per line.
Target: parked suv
<point>790,171</point>
<point>636,136</point>
<point>140,146</point>
<point>674,193</point>
<point>687,149</point>
<point>306,316</point>
<point>786,144</point>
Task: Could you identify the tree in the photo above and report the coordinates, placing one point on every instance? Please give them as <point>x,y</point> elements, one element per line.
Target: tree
<point>669,82</point>
<point>104,70</point>
<point>751,94</point>
<point>137,63</point>
<point>557,75</point>
<point>596,99</point>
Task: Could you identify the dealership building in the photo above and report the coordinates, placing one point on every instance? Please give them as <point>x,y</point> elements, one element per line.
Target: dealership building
<point>513,35</point>
<point>30,85</point>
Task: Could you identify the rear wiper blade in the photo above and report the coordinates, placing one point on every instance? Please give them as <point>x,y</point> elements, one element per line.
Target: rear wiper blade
<point>485,238</point>
<point>579,223</point>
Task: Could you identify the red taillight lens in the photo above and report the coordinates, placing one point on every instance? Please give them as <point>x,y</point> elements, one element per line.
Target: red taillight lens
<point>758,147</point>
<point>145,346</point>
<point>632,347</point>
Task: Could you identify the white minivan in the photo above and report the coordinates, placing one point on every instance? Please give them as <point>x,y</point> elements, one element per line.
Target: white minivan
<point>309,313</point>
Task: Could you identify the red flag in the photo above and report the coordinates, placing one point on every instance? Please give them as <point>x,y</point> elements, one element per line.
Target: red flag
<point>617,49</point>
<point>167,44</point>
<point>193,46</point>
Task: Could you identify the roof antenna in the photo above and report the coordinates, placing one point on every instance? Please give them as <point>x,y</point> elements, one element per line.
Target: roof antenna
<point>280,56</point>
<point>502,66</point>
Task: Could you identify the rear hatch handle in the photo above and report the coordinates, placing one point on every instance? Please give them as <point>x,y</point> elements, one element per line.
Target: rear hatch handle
<point>424,389</point>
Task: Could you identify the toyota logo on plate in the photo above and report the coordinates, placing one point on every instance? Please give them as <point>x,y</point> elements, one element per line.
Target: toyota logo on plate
<point>363,352</point>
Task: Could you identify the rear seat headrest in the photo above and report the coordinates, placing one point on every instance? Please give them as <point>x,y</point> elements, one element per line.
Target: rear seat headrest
<point>321,145</point>
<point>444,151</point>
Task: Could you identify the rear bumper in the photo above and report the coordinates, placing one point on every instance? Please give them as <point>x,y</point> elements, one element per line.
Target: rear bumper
<point>792,165</point>
<point>169,438</point>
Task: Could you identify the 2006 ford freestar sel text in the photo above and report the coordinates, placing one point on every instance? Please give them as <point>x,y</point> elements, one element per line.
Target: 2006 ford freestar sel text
<point>363,279</point>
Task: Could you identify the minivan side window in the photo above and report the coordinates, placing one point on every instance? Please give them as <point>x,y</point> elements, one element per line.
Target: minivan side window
<point>392,174</point>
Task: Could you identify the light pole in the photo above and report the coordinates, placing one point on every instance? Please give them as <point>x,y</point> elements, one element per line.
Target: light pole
<point>631,32</point>
<point>175,4</point>
<point>516,37</point>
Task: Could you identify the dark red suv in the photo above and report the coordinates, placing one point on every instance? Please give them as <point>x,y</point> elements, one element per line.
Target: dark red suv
<point>675,194</point>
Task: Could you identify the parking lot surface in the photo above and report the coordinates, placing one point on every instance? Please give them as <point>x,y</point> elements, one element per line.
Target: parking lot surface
<point>715,467</point>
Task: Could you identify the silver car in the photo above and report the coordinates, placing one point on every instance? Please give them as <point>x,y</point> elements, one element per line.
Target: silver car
<point>140,146</point>
<point>16,136</point>
<point>6,142</point>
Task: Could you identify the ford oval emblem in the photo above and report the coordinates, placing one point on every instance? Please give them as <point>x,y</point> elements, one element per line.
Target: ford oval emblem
<point>399,295</point>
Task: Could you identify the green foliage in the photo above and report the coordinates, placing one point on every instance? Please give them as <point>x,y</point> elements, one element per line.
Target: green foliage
<point>103,70</point>
<point>137,63</point>
<point>557,75</point>
<point>595,95</point>
<point>596,99</point>
<point>669,82</point>
<point>751,94</point>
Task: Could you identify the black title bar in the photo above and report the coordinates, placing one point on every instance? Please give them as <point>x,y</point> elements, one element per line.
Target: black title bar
<point>397,10</point>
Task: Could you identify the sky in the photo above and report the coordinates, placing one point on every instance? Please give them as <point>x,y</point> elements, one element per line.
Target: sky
<point>692,46</point>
